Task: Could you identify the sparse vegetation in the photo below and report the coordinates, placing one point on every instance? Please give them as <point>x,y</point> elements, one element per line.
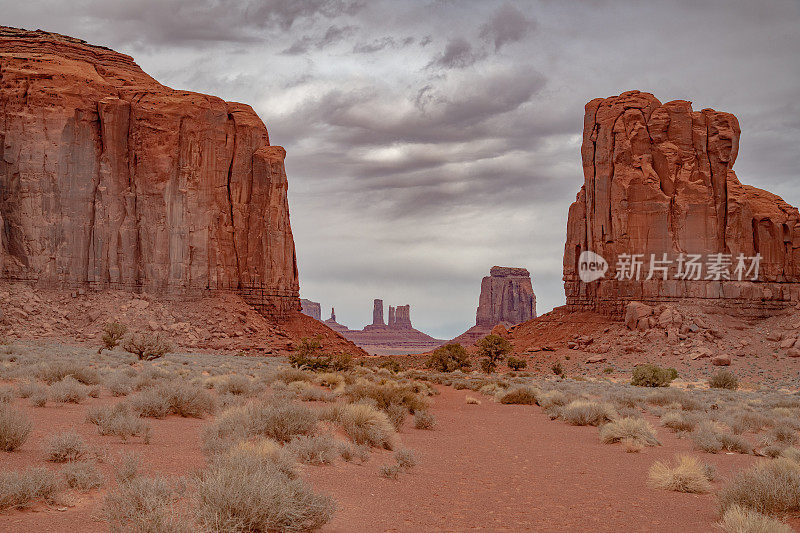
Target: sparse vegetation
<point>493,349</point>
<point>635,429</point>
<point>145,504</point>
<point>113,333</point>
<point>18,489</point>
<point>82,475</point>
<point>723,379</point>
<point>405,458</point>
<point>14,428</point>
<point>366,425</point>
<point>516,364</point>
<point>587,413</point>
<point>648,375</point>
<point>309,355</point>
<point>688,475</point>
<point>424,420</point>
<point>66,447</point>
<point>738,519</point>
<point>449,358</point>
<point>769,487</point>
<point>147,347</point>
<point>523,395</point>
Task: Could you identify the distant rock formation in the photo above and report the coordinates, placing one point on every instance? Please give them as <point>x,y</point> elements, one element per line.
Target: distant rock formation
<point>312,309</point>
<point>506,298</point>
<point>109,179</point>
<point>396,337</point>
<point>659,183</point>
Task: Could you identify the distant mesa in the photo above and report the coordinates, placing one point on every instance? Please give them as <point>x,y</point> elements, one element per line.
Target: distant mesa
<point>312,309</point>
<point>393,337</point>
<point>506,298</point>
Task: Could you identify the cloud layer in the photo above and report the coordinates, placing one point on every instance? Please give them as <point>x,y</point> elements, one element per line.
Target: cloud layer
<point>430,140</point>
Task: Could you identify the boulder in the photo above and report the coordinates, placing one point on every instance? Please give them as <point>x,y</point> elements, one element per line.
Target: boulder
<point>721,360</point>
<point>636,315</point>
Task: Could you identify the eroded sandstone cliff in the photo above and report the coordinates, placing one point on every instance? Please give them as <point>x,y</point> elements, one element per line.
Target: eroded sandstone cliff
<point>110,179</point>
<point>659,180</point>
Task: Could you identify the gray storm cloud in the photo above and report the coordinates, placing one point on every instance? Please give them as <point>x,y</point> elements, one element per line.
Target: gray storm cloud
<point>429,140</point>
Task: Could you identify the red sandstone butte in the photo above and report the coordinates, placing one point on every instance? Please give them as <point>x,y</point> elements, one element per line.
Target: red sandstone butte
<point>506,298</point>
<point>658,178</point>
<point>111,180</point>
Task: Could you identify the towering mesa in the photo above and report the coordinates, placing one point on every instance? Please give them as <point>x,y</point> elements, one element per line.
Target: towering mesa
<point>110,179</point>
<point>659,179</point>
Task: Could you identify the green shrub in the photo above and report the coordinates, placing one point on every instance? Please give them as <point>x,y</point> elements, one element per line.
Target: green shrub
<point>724,379</point>
<point>147,347</point>
<point>493,349</point>
<point>309,355</point>
<point>391,364</point>
<point>112,335</point>
<point>516,364</point>
<point>449,358</point>
<point>649,375</point>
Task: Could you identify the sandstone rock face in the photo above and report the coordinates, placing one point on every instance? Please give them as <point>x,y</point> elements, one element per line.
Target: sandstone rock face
<point>377,313</point>
<point>506,298</point>
<point>109,179</point>
<point>659,179</point>
<point>312,309</point>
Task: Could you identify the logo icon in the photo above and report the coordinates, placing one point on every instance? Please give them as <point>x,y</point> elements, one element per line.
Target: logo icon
<point>591,266</point>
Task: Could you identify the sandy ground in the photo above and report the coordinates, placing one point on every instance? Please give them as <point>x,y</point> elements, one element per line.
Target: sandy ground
<point>488,467</point>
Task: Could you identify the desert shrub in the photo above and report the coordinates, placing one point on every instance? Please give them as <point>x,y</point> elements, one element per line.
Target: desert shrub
<point>14,428</point>
<point>147,347</point>
<point>314,449</point>
<point>669,396</point>
<point>678,421</point>
<point>29,388</point>
<point>175,397</point>
<point>235,384</point>
<point>635,429</point>
<point>723,379</point>
<point>288,375</point>
<point>342,362</point>
<point>397,415</point>
<point>781,433</point>
<point>333,381</point>
<point>119,384</point>
<point>82,475</point>
<point>405,458</point>
<point>424,420</point>
<point>126,466</point>
<point>631,445</point>
<point>354,452</point>
<point>705,437</point>
<point>688,475</point>
<point>387,394</point>
<point>738,519</point>
<point>144,504</point>
<point>649,375</point>
<point>449,358</point>
<point>516,364</point>
<point>18,489</point>
<point>243,492</point>
<point>472,401</point>
<point>493,349</point>
<point>769,487</point>
<point>68,390</point>
<point>53,371</point>
<point>389,471</point>
<point>557,368</point>
<point>366,425</point>
<point>524,395</point>
<point>735,443</point>
<point>309,355</point>
<point>312,394</point>
<point>553,398</point>
<point>66,447</point>
<point>587,413</point>
<point>6,394</point>
<point>391,364</point>
<point>113,333</point>
<point>39,399</point>
<point>118,420</point>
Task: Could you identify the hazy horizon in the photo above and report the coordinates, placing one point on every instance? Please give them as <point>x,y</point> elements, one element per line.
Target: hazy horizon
<point>428,141</point>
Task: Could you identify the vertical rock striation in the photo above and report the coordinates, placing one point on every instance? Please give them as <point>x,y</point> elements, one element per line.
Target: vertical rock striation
<point>659,179</point>
<point>109,179</point>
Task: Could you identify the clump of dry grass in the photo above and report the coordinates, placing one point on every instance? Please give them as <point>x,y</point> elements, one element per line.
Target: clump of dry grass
<point>524,395</point>
<point>350,452</point>
<point>6,394</point>
<point>126,466</point>
<point>14,428</point>
<point>314,449</point>
<point>235,384</point>
<point>632,445</point>
<point>145,504</point>
<point>68,390</point>
<point>387,394</point>
<point>587,413</point>
<point>424,420</point>
<point>472,401</point>
<point>678,421</point>
<point>66,447</point>
<point>82,475</point>
<point>243,492</point>
<point>175,397</point>
<point>738,519</point>
<point>405,458</point>
<point>365,425</point>
<point>635,429</point>
<point>769,487</point>
<point>57,370</point>
<point>688,475</point>
<point>389,471</point>
<point>19,489</point>
<point>118,420</point>
<point>119,384</point>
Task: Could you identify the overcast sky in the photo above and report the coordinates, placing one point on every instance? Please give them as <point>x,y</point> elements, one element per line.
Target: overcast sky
<point>429,140</point>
